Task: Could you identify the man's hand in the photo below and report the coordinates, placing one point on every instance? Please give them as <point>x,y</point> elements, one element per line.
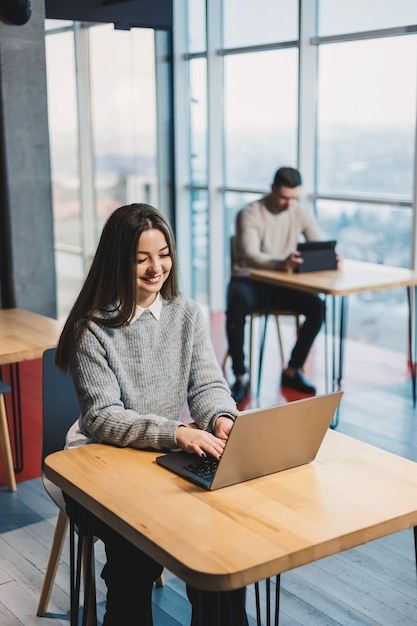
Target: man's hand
<point>292,262</point>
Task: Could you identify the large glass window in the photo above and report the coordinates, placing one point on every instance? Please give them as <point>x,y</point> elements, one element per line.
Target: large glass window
<point>365,232</point>
<point>196,31</point>
<point>200,246</point>
<point>339,16</point>
<point>350,126</point>
<point>366,117</point>
<point>248,23</point>
<point>260,116</point>
<point>63,131</point>
<point>119,74</point>
<point>198,121</point>
<point>123,117</point>
<point>65,166</point>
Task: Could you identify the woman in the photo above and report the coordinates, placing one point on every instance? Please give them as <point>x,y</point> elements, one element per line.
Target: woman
<point>138,351</point>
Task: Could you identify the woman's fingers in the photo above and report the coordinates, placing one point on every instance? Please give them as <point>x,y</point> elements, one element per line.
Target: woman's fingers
<point>200,442</point>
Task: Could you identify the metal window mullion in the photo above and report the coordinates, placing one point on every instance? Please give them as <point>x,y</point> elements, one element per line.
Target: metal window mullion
<point>182,148</point>
<point>85,143</point>
<point>164,140</point>
<point>369,34</point>
<point>413,260</point>
<point>215,156</point>
<point>307,98</point>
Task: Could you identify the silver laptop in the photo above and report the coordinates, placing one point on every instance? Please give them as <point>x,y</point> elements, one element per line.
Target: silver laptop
<point>262,441</point>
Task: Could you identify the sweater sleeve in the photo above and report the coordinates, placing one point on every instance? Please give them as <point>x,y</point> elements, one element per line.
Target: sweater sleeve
<point>249,234</point>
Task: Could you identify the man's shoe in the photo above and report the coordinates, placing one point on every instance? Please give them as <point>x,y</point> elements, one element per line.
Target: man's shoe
<point>297,382</point>
<point>239,390</point>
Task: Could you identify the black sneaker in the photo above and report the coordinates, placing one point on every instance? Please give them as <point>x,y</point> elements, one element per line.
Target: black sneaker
<point>239,390</point>
<point>297,382</point>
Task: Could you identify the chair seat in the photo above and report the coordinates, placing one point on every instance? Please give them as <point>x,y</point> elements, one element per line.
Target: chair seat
<point>54,492</point>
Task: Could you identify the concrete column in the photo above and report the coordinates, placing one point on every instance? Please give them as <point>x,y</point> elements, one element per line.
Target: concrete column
<point>26,174</point>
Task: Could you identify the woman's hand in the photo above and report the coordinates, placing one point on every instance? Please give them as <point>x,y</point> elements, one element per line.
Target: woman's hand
<point>223,426</point>
<point>199,441</point>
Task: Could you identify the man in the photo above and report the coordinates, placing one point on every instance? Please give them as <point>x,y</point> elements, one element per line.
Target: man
<point>267,233</point>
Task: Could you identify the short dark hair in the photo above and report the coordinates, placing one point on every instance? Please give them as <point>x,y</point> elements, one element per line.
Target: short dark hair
<point>287,177</point>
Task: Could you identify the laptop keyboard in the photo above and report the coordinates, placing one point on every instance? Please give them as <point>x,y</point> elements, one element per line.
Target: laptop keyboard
<point>205,468</point>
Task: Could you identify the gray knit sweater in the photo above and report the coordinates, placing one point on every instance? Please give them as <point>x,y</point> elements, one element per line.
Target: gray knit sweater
<point>132,383</point>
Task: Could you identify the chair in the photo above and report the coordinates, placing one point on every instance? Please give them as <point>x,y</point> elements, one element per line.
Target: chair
<point>262,314</point>
<point>60,411</point>
<point>5,439</point>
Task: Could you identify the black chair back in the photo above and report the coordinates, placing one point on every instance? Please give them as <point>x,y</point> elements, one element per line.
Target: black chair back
<point>59,404</point>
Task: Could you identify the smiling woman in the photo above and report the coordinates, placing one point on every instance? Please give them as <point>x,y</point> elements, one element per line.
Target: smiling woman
<point>138,351</point>
<point>153,265</point>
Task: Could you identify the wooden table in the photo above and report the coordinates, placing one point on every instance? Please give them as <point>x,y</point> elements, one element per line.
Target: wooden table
<point>352,277</point>
<point>23,336</point>
<point>351,494</point>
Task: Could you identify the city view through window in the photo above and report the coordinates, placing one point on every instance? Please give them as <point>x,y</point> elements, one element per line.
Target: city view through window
<point>364,145</point>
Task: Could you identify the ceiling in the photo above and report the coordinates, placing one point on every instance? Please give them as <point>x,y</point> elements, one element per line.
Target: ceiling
<point>123,13</point>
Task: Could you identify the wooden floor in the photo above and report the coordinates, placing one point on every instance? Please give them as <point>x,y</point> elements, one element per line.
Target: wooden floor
<point>373,585</point>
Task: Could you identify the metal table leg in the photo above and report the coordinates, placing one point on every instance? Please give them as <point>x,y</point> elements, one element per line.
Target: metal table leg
<point>412,339</point>
<point>339,320</point>
<point>85,537</point>
<point>268,602</point>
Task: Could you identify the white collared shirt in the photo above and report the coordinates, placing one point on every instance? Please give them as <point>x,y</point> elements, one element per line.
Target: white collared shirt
<point>155,308</point>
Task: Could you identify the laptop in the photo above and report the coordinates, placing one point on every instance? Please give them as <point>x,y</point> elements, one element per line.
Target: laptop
<point>261,442</point>
<point>317,256</point>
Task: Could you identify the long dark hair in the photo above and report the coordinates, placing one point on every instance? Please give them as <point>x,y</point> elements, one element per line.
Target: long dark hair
<point>110,286</point>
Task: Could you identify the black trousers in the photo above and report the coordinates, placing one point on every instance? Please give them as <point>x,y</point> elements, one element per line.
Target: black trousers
<point>129,575</point>
<point>245,296</point>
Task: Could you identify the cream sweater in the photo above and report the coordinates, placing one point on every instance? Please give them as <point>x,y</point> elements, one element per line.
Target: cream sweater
<point>264,239</point>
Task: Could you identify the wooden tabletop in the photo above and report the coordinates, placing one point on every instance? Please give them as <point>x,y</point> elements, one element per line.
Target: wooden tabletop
<point>25,335</point>
<point>218,540</point>
<point>352,277</point>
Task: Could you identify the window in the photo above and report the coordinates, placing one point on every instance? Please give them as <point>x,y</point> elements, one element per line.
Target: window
<point>198,121</point>
<point>366,117</point>
<point>260,116</point>
<point>248,23</point>
<point>123,117</point>
<point>102,126</point>
<point>338,16</point>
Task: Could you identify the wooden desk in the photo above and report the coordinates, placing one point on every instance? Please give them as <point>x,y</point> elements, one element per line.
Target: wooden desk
<point>351,494</point>
<point>23,336</point>
<point>352,277</point>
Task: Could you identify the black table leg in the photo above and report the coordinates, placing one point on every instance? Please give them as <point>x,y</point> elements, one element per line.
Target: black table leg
<point>85,542</point>
<point>261,354</point>
<point>412,339</point>
<point>268,602</point>
<point>339,319</point>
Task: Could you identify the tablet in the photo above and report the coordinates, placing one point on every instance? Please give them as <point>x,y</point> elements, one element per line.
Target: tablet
<point>317,256</point>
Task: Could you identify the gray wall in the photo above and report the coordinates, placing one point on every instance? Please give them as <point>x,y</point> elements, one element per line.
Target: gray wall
<point>26,215</point>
